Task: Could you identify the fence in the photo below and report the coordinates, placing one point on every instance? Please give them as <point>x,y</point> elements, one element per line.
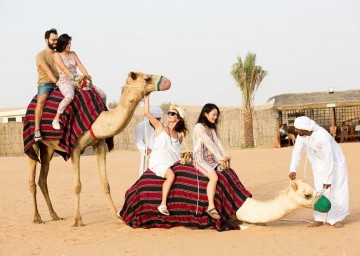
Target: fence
<point>231,132</point>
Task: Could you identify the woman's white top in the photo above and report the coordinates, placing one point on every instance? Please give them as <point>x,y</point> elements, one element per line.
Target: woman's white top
<point>165,152</point>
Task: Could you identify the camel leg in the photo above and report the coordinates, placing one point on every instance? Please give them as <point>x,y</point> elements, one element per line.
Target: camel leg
<point>32,185</point>
<point>75,160</point>
<point>100,149</point>
<point>46,154</point>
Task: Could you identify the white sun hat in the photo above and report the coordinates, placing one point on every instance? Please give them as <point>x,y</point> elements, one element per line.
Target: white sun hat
<point>180,111</point>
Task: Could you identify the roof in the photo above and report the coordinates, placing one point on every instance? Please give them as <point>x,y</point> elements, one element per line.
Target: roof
<point>15,112</point>
<point>295,101</point>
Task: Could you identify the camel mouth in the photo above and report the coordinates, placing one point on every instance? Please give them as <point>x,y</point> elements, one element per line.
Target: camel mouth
<point>163,84</point>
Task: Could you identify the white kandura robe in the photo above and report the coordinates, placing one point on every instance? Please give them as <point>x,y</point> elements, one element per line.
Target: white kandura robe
<point>329,167</point>
<point>144,137</point>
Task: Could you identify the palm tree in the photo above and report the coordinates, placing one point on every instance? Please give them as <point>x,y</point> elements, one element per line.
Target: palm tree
<point>248,77</point>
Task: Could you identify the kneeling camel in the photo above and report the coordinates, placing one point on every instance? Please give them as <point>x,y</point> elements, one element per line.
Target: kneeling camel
<point>298,195</point>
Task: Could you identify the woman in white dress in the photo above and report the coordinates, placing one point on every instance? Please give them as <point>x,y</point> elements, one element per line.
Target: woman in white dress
<point>166,148</point>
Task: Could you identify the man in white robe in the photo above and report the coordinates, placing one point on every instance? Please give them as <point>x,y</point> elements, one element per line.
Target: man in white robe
<point>329,169</point>
<point>145,136</point>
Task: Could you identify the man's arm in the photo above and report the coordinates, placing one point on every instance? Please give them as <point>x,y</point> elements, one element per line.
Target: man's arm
<point>296,157</point>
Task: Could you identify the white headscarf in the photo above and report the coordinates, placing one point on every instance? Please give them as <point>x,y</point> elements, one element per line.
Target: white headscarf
<point>305,123</point>
<point>156,112</point>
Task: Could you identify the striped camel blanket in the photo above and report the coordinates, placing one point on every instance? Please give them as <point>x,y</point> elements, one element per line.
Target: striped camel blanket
<point>77,118</point>
<point>187,200</point>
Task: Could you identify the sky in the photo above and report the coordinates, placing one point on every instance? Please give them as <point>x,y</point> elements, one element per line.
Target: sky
<point>305,46</point>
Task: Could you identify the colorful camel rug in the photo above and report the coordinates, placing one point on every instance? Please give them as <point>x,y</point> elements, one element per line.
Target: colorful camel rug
<point>77,118</point>
<point>187,200</point>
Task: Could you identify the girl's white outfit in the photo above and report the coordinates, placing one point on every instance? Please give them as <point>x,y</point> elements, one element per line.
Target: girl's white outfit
<point>165,152</point>
<point>208,149</point>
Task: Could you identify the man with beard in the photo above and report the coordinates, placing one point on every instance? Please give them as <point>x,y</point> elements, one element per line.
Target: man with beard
<point>329,169</point>
<point>47,77</point>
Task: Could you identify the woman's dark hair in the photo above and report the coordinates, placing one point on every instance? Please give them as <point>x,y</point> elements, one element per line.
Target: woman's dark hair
<point>181,125</point>
<point>49,32</point>
<point>202,118</point>
<point>62,42</point>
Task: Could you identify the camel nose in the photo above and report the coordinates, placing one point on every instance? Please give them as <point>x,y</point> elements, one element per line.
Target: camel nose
<point>165,84</point>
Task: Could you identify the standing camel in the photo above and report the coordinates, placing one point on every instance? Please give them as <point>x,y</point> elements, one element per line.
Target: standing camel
<point>108,124</point>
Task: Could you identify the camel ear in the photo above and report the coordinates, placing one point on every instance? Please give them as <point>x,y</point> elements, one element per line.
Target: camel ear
<point>294,185</point>
<point>133,75</point>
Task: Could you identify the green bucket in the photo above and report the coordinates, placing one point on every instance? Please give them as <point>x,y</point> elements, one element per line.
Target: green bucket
<point>322,204</point>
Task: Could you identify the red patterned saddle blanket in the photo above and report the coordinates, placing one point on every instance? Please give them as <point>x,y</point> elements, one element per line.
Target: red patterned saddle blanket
<point>76,119</point>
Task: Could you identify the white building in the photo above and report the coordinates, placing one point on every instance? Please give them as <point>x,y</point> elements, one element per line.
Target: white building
<point>15,115</point>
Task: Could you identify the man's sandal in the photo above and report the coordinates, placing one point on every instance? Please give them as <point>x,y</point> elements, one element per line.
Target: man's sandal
<point>213,213</point>
<point>163,210</point>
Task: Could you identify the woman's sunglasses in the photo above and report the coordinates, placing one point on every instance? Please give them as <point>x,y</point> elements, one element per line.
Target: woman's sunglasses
<point>170,113</point>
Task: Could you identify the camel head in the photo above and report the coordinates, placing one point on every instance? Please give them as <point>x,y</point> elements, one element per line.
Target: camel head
<point>140,84</point>
<point>302,193</point>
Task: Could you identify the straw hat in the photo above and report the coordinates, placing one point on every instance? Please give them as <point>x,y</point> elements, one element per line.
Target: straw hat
<point>180,111</point>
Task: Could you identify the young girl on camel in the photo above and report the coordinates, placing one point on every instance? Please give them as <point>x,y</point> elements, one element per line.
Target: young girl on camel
<point>66,63</point>
<point>166,148</point>
<point>209,154</point>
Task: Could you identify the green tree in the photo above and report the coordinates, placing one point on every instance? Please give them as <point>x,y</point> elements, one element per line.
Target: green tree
<point>248,77</point>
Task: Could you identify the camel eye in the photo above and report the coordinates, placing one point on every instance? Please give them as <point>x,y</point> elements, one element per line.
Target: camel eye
<point>309,196</point>
<point>148,79</point>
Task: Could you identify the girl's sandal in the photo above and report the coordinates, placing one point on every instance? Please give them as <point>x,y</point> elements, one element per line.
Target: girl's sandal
<point>213,213</point>
<point>163,210</point>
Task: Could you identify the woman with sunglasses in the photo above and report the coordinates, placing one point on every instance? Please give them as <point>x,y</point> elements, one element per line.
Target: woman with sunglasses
<point>209,153</point>
<point>166,148</point>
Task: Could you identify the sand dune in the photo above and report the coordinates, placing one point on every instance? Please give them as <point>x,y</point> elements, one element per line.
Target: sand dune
<point>263,171</point>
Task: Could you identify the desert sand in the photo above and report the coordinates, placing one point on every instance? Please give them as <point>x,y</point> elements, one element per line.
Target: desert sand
<point>263,171</point>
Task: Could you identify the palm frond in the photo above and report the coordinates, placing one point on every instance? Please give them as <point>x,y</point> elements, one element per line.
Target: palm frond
<point>248,78</point>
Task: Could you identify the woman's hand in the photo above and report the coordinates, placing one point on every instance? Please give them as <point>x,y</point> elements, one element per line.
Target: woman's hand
<point>227,158</point>
<point>79,78</point>
<point>223,165</point>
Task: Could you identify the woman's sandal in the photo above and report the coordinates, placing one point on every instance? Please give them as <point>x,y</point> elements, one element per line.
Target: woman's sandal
<point>213,213</point>
<point>163,210</point>
<point>56,124</point>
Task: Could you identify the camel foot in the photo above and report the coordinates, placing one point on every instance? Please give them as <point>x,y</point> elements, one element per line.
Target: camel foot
<point>55,217</point>
<point>38,220</point>
<point>338,224</point>
<point>78,224</point>
<point>315,224</point>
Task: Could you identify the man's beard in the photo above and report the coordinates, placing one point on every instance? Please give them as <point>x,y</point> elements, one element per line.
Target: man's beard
<point>52,47</point>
